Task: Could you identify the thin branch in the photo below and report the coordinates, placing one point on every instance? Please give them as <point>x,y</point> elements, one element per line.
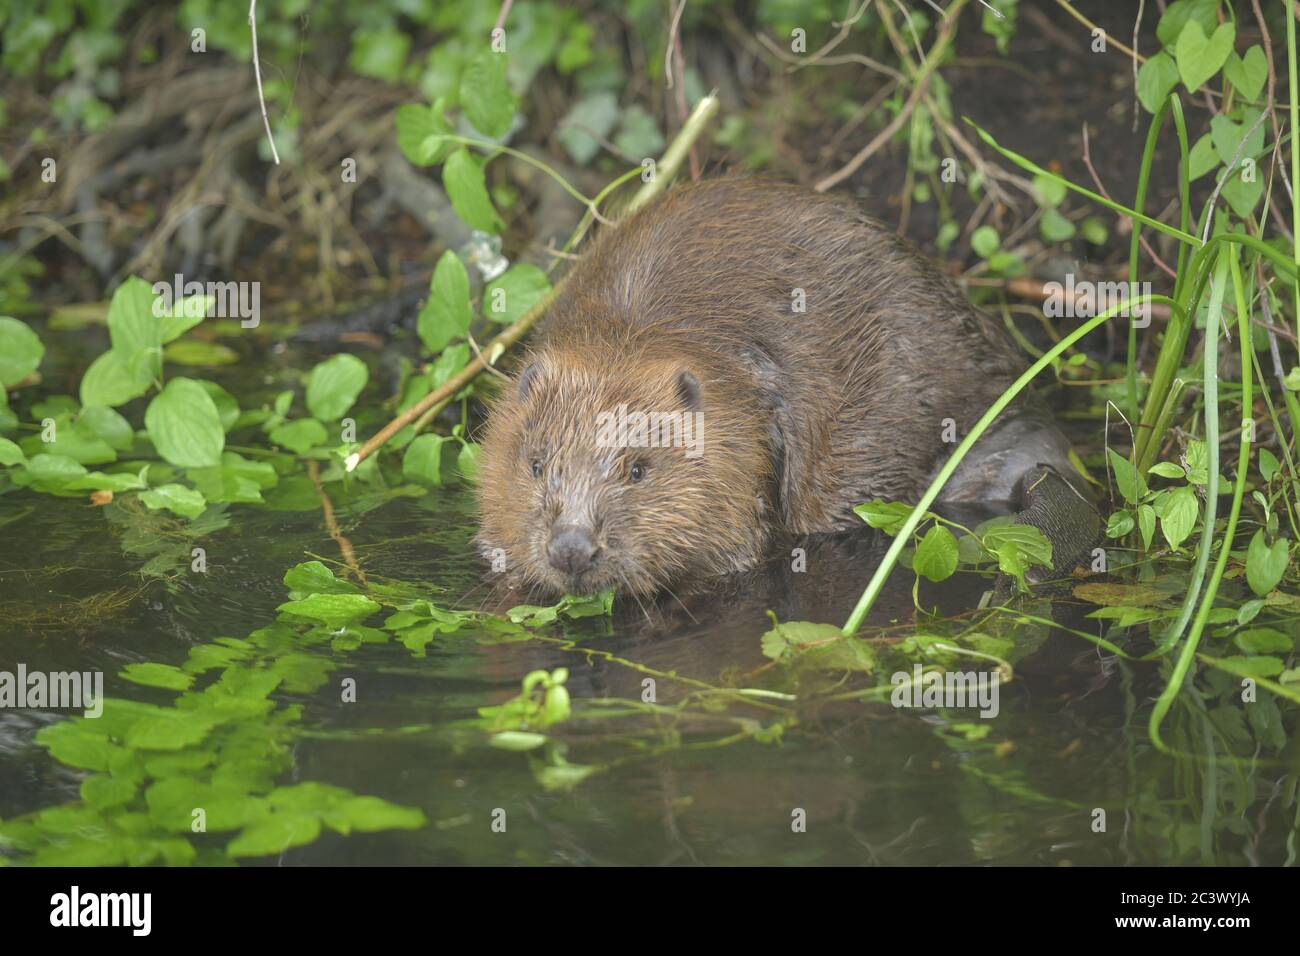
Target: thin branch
<point>257,72</point>
<point>927,68</point>
<point>501,17</point>
<point>667,167</point>
<point>1142,239</point>
<point>1064,4</point>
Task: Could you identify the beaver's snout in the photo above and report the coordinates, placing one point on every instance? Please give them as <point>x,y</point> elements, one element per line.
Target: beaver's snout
<point>571,549</point>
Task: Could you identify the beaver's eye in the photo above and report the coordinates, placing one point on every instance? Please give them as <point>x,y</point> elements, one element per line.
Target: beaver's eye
<point>638,471</point>
<point>537,468</point>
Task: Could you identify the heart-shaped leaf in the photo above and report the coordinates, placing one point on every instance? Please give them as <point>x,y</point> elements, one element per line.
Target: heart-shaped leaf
<point>1247,73</point>
<point>1200,57</point>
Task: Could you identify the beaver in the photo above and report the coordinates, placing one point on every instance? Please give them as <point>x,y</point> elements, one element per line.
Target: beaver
<point>742,356</point>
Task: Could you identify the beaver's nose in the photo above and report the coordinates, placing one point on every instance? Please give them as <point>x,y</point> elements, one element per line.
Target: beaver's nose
<point>571,549</point>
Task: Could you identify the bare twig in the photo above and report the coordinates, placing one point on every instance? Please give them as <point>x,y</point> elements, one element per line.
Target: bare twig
<point>925,71</point>
<point>501,17</point>
<point>1101,188</point>
<point>440,396</point>
<point>1065,5</point>
<point>257,71</point>
<point>1137,23</point>
<point>331,523</point>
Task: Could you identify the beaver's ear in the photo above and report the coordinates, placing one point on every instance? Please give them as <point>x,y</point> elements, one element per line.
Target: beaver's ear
<point>529,377</point>
<point>688,389</point>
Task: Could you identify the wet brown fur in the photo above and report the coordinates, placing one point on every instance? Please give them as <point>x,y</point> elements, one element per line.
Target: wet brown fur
<point>806,414</point>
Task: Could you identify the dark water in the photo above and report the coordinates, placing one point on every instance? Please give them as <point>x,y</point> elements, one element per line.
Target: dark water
<point>876,785</point>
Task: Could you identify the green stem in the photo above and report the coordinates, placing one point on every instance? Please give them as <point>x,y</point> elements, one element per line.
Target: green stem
<point>1211,392</point>
<point>1295,156</point>
<point>1171,106</point>
<point>1185,658</point>
<point>1031,166</point>
<point>904,535</point>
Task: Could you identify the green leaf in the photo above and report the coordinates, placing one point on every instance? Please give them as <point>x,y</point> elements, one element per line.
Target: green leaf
<point>110,381</point>
<point>334,385</point>
<point>184,315</point>
<point>638,136</point>
<point>76,744</point>
<point>157,675</point>
<point>1179,13</point>
<point>1264,565</point>
<point>985,241</point>
<point>1249,611</point>
<point>332,610</point>
<point>171,730</point>
<point>177,499</point>
<point>227,407</point>
<point>1264,640</point>
<point>1268,465</point>
<point>1252,666</point>
<point>1131,484</point>
<point>300,436</point>
<point>73,440</point>
<point>276,833</point>
<point>1167,469</point>
<point>104,792</point>
<point>225,806</point>
<point>1203,157</point>
<point>1025,539</point>
<point>1146,520</point>
<point>108,426</point>
<point>1156,79</point>
<point>423,459</point>
<point>11,454</point>
<point>466,186</point>
<point>99,481</point>
<point>219,484</point>
<point>1055,227</point>
<point>370,815</point>
<point>484,95</point>
<point>20,351</point>
<point>1051,191</point>
<point>421,133</point>
<point>198,353</point>
<point>1178,516</point>
<point>936,555</point>
<point>446,314</point>
<point>514,292</point>
<point>467,460</point>
<point>517,740</point>
<point>795,635</point>
<point>135,331</point>
<point>1242,195</point>
<point>588,121</point>
<point>886,516</point>
<point>1200,57</point>
<point>1227,137</point>
<point>45,472</point>
<point>1197,461</point>
<point>1094,231</point>
<point>312,577</point>
<point>1248,73</point>
<point>380,53</point>
<point>184,426</point>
